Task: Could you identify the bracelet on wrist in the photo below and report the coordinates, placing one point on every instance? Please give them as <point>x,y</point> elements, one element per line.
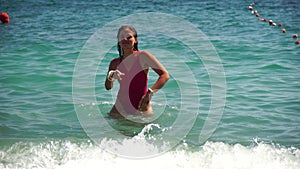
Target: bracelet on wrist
<point>110,79</point>
<point>150,91</point>
<point>110,75</point>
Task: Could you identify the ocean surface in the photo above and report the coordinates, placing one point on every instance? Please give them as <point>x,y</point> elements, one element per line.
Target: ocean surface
<point>43,124</point>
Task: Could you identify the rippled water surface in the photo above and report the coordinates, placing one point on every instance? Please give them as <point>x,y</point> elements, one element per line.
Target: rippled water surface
<point>41,44</point>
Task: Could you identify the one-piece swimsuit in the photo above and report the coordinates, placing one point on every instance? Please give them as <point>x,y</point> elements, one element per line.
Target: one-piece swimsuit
<point>132,86</point>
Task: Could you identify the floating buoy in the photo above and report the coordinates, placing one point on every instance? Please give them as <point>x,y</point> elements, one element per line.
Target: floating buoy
<point>283,31</point>
<point>295,35</point>
<point>270,22</point>
<point>4,17</point>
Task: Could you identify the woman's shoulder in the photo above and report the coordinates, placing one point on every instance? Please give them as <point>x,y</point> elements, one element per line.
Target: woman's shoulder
<point>145,54</point>
<point>115,62</point>
<point>147,58</point>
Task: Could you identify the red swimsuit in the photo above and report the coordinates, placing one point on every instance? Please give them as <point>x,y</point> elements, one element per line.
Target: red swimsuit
<point>132,87</point>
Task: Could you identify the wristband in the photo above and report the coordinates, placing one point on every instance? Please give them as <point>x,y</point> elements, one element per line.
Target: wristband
<point>110,75</point>
<point>150,91</point>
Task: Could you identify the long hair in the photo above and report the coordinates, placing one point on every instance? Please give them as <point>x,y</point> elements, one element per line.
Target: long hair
<point>135,47</point>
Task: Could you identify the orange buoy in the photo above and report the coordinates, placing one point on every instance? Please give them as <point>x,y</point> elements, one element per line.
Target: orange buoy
<point>4,17</point>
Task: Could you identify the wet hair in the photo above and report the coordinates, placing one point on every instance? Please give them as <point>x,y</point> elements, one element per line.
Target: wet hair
<point>135,47</point>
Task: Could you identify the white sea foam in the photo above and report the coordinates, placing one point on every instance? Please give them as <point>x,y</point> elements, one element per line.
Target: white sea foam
<point>212,155</point>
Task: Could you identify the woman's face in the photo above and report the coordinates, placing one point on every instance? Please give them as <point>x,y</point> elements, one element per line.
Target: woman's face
<point>126,39</point>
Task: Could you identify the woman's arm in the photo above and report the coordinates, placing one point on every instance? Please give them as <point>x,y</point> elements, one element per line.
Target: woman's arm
<point>158,68</point>
<point>108,80</point>
<point>163,74</point>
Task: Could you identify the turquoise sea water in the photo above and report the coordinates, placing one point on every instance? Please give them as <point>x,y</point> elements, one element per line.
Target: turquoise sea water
<point>259,127</point>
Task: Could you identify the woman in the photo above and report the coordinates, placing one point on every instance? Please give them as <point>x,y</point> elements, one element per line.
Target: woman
<point>131,70</point>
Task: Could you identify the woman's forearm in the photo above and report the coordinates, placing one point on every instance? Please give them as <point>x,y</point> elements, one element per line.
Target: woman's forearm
<point>108,84</point>
<point>161,81</point>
